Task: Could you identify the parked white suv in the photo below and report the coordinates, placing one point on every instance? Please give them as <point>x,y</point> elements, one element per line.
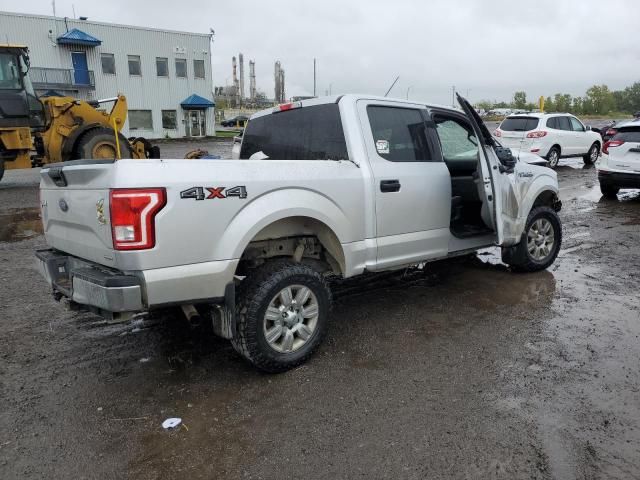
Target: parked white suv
<point>620,166</point>
<point>551,135</point>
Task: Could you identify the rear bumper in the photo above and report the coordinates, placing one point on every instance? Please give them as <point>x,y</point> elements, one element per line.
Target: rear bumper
<point>106,290</point>
<point>619,179</point>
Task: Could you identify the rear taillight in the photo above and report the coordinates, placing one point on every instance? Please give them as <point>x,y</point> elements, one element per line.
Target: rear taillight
<point>611,144</point>
<point>133,214</point>
<point>498,132</point>
<point>537,134</point>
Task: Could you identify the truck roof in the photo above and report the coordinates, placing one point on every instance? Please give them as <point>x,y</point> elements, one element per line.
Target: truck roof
<point>351,97</point>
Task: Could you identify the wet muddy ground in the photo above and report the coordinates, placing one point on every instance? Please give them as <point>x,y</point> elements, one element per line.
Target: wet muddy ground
<point>465,370</point>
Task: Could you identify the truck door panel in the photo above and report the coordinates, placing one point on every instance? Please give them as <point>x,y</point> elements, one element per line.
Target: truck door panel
<point>412,185</point>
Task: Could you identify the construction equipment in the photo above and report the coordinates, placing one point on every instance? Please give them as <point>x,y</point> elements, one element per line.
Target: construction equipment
<point>59,128</point>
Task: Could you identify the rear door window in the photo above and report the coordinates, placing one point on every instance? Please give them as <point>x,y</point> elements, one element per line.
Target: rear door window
<point>563,123</point>
<point>576,125</point>
<point>519,124</point>
<point>399,134</point>
<point>552,123</point>
<point>307,133</point>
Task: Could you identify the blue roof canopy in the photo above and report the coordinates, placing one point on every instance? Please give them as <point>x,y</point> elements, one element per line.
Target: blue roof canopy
<point>196,101</point>
<point>78,37</point>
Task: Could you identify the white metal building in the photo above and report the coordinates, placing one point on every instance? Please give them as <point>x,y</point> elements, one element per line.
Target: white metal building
<point>165,75</point>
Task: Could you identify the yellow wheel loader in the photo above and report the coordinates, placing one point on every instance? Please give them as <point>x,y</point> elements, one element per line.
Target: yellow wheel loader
<point>59,128</point>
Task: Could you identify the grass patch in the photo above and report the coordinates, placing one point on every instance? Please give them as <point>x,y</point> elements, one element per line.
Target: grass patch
<point>227,133</point>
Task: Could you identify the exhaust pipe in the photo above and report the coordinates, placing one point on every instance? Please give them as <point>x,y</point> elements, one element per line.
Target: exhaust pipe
<point>192,315</point>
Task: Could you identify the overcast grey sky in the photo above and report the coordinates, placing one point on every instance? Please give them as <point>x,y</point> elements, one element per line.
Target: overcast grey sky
<point>489,48</point>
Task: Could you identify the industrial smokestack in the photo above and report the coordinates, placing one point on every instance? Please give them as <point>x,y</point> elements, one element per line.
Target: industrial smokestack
<point>252,80</point>
<point>241,60</point>
<point>279,83</point>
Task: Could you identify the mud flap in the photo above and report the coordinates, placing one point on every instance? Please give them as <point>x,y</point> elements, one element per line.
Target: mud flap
<point>513,255</point>
<point>223,317</point>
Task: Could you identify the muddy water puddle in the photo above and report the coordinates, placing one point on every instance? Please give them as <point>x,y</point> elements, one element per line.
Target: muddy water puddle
<point>19,224</point>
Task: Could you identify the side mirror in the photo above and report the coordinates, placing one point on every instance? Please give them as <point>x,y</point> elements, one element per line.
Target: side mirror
<point>588,128</point>
<point>506,158</point>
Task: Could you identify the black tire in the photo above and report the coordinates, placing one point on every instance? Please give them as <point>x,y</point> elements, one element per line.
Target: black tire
<point>1,169</point>
<point>522,259</point>
<point>592,155</point>
<point>553,157</point>
<point>101,143</point>
<point>256,293</point>
<point>609,191</point>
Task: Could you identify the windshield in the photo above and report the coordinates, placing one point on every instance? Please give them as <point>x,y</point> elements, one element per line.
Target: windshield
<point>9,72</point>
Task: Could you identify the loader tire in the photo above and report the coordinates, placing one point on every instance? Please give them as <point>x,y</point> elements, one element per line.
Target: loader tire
<point>100,143</point>
<point>282,313</point>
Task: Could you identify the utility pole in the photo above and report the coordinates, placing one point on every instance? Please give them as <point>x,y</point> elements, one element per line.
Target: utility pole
<point>314,77</point>
<point>409,88</point>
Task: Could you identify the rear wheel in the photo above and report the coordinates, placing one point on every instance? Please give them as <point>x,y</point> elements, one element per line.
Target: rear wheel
<point>592,155</point>
<point>609,191</point>
<point>100,143</point>
<point>553,157</point>
<point>282,314</point>
<point>540,242</point>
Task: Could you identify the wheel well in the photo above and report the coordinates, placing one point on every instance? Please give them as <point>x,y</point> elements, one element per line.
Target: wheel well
<point>547,198</point>
<point>558,147</point>
<point>304,239</point>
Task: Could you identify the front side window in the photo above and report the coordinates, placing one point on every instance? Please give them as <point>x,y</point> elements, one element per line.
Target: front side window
<point>9,72</point>
<point>399,134</point>
<point>162,66</point>
<point>169,119</point>
<point>181,68</point>
<point>198,68</point>
<point>307,133</point>
<point>108,63</point>
<point>140,120</point>
<point>457,139</point>
<point>134,65</point>
<point>576,125</point>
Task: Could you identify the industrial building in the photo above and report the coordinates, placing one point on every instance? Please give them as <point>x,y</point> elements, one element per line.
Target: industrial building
<point>165,75</point>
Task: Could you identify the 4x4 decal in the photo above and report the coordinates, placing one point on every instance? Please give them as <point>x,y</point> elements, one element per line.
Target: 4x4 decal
<point>208,193</point>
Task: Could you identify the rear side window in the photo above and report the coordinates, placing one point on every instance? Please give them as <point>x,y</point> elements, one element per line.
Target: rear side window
<point>552,123</point>
<point>307,133</point>
<point>399,134</point>
<point>563,123</point>
<point>629,134</point>
<point>519,124</point>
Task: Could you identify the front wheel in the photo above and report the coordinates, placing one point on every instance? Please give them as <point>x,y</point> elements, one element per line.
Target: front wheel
<point>282,314</point>
<point>540,242</point>
<point>592,155</point>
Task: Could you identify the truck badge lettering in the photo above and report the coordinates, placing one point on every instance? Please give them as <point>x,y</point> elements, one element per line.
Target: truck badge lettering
<point>210,193</point>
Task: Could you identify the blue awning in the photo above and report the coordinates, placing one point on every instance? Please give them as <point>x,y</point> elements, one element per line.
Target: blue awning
<point>78,37</point>
<point>196,101</point>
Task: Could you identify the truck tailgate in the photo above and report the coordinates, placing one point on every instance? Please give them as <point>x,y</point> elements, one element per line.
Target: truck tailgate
<point>75,209</point>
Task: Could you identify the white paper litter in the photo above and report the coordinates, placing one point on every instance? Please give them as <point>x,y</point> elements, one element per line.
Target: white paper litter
<point>171,423</point>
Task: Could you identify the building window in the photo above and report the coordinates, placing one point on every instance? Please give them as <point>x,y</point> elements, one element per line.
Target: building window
<point>169,119</point>
<point>134,65</point>
<point>181,67</point>
<point>198,68</point>
<point>108,63</point>
<point>140,120</point>
<point>162,66</point>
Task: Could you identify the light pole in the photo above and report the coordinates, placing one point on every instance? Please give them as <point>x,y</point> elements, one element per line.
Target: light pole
<point>409,88</point>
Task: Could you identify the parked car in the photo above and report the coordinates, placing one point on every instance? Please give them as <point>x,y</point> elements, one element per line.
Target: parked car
<point>239,121</point>
<point>620,166</point>
<point>550,135</point>
<point>344,185</point>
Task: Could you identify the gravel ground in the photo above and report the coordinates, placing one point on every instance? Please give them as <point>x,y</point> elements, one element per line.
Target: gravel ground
<point>468,371</point>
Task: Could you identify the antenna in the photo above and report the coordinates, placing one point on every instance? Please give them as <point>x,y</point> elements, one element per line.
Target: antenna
<point>394,82</point>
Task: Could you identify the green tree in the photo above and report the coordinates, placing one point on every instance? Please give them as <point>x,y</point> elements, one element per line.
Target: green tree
<point>548,105</point>
<point>576,107</point>
<point>601,98</point>
<point>562,102</point>
<point>520,100</point>
<point>632,98</point>
<point>485,105</point>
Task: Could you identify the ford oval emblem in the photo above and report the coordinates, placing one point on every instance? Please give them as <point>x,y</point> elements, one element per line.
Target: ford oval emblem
<point>64,206</point>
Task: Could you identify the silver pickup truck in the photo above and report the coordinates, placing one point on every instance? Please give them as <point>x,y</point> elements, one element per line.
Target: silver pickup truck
<point>332,186</point>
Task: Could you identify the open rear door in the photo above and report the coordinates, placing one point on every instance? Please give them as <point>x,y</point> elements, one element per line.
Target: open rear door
<point>499,183</point>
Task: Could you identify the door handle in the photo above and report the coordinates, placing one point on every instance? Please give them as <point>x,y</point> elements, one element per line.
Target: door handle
<point>389,186</point>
